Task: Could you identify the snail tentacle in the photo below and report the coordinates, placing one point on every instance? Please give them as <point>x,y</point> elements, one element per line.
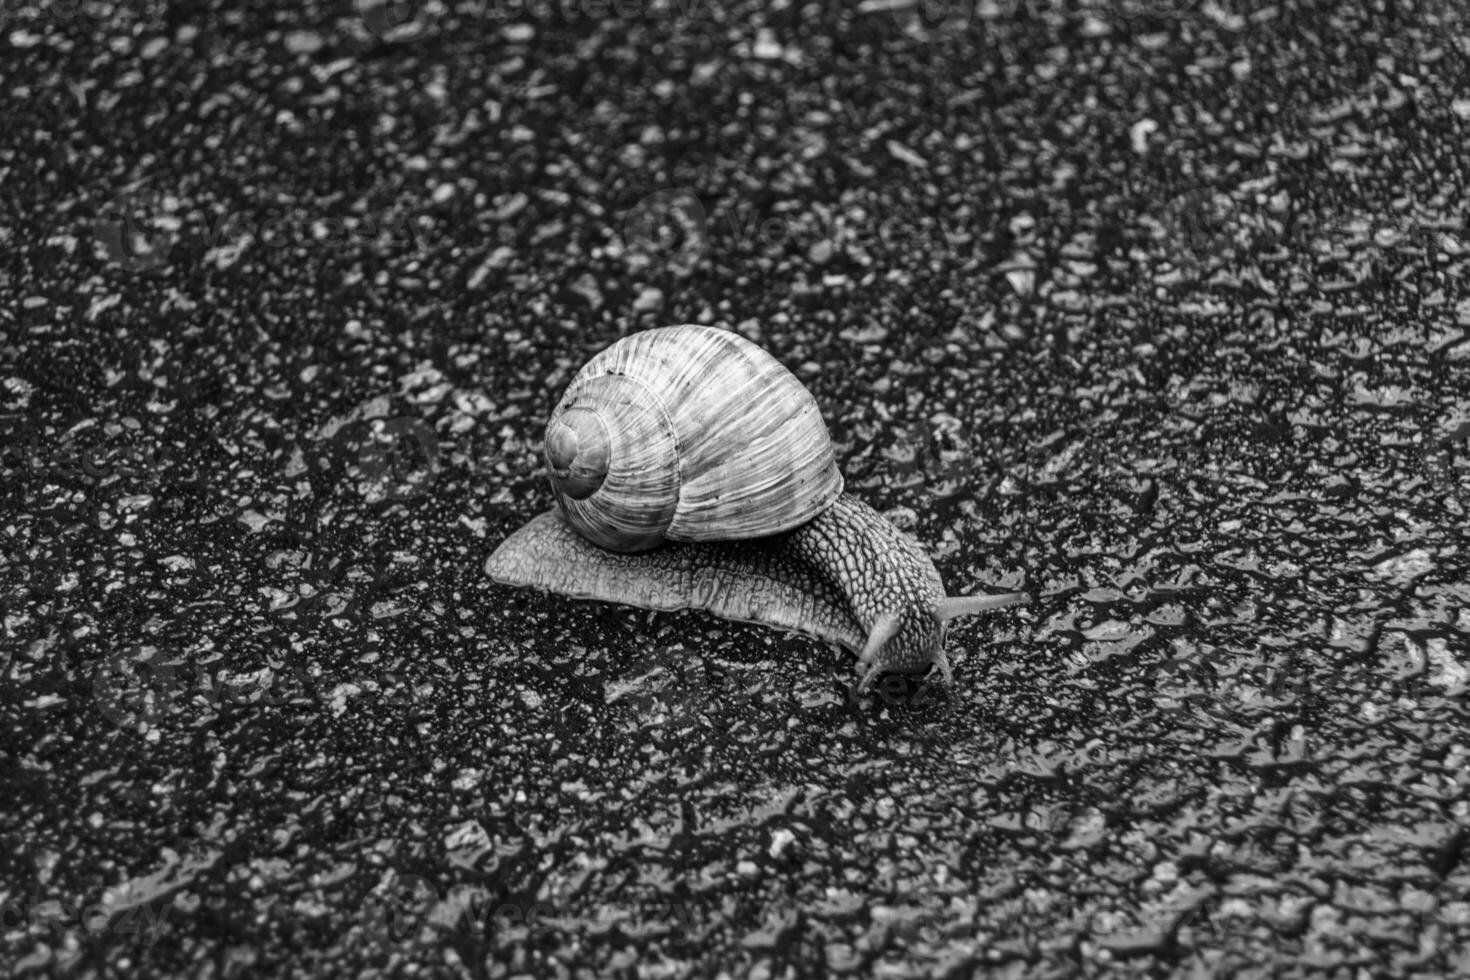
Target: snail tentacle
<point>951,607</point>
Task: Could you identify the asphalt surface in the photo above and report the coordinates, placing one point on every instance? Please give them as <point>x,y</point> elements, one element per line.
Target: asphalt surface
<point>1155,311</point>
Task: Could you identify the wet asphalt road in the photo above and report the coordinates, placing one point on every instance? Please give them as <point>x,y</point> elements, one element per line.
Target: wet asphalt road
<point>1157,311</point>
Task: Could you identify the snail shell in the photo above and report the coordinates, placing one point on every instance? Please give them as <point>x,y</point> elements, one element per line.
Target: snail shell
<point>688,434</point>
<point>698,449</point>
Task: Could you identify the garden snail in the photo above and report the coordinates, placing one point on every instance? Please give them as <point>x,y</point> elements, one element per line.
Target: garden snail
<point>692,470</point>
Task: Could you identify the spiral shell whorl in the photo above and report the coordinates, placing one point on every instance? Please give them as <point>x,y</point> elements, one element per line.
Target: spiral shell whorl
<point>689,434</point>
<point>577,451</point>
<point>624,432</point>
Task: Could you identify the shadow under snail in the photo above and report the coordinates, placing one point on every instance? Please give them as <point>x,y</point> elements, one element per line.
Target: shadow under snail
<point>692,471</point>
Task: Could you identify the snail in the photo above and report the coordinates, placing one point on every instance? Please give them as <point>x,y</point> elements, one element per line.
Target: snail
<point>691,470</point>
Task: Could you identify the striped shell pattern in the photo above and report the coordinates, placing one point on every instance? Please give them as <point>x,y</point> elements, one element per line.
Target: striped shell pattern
<point>688,433</point>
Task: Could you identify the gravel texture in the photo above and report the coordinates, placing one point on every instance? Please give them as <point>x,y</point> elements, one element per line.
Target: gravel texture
<point>1155,310</point>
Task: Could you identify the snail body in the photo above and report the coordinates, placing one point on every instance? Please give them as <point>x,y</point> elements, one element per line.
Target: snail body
<point>693,471</point>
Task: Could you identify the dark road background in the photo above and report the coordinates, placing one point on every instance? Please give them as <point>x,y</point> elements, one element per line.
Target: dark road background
<point>1156,310</point>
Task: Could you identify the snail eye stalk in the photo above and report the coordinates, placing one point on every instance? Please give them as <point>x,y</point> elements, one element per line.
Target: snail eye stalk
<point>954,606</point>
<point>883,630</point>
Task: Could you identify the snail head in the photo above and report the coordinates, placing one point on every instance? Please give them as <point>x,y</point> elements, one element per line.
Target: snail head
<point>910,640</point>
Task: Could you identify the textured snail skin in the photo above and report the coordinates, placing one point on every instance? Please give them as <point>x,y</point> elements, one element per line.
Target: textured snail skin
<point>880,572</point>
<point>847,576</point>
